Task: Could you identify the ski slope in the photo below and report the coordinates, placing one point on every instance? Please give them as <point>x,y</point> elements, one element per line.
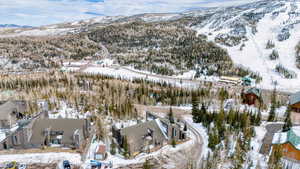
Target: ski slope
<point>254,54</point>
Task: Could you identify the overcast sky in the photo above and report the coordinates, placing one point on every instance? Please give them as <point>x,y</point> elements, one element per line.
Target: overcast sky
<point>44,12</point>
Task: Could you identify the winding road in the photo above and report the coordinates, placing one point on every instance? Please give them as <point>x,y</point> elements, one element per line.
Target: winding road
<point>198,153</point>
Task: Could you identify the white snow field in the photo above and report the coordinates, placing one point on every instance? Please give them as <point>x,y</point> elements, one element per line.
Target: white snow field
<point>254,54</point>
<point>130,74</point>
<point>43,158</point>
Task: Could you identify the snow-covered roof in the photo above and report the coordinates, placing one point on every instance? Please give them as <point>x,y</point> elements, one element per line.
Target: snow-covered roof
<point>279,138</point>
<point>254,90</point>
<point>295,98</point>
<point>2,136</point>
<point>162,128</point>
<point>292,136</point>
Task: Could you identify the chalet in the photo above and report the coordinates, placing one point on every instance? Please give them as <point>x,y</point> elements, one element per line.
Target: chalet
<point>150,135</point>
<point>252,96</point>
<point>48,132</point>
<point>290,143</point>
<point>294,102</point>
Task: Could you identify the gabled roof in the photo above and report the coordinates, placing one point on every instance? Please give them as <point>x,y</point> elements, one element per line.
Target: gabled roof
<point>136,133</point>
<point>292,136</point>
<point>254,90</point>
<point>68,126</point>
<point>294,98</point>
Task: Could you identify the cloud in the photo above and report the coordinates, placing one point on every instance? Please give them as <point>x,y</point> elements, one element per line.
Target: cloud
<point>94,13</point>
<point>43,12</point>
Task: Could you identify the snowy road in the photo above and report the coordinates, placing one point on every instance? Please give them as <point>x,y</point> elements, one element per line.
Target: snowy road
<point>198,153</point>
<point>128,73</point>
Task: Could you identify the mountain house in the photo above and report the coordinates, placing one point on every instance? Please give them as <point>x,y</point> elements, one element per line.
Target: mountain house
<point>48,132</point>
<point>290,143</point>
<point>294,102</point>
<point>149,136</point>
<point>252,96</point>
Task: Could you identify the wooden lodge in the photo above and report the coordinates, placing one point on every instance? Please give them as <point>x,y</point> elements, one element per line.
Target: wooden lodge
<point>294,102</point>
<point>290,143</point>
<point>251,96</point>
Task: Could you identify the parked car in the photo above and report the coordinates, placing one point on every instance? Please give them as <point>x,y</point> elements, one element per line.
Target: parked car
<point>108,165</point>
<point>66,164</point>
<point>22,166</point>
<point>12,165</point>
<point>95,164</point>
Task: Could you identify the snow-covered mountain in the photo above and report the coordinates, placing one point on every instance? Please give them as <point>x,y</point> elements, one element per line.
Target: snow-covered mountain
<point>252,32</point>
<point>261,36</point>
<point>14,26</point>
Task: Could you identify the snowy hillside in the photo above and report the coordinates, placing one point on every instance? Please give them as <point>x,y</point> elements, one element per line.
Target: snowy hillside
<point>261,36</point>
<point>245,31</point>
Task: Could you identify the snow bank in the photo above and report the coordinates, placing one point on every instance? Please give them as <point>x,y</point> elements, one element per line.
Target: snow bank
<point>45,158</point>
<point>67,112</point>
<point>202,131</point>
<point>40,32</point>
<point>256,144</point>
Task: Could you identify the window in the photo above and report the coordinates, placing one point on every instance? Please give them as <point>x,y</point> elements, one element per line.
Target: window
<point>15,140</point>
<point>174,132</point>
<point>56,141</point>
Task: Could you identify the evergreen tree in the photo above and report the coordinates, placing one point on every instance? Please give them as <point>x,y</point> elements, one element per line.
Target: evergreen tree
<point>287,122</point>
<point>173,143</point>
<point>270,44</point>
<point>220,124</point>
<point>195,108</point>
<point>112,148</point>
<point>275,158</point>
<point>273,106</point>
<point>185,127</point>
<point>252,118</point>
<point>258,118</point>
<point>223,94</point>
<point>126,148</point>
<point>239,155</point>
<point>203,114</point>
<point>230,118</point>
<point>171,116</point>
<point>213,139</point>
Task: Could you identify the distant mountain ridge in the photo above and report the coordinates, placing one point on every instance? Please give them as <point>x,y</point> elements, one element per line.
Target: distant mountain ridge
<point>261,36</point>
<point>14,26</point>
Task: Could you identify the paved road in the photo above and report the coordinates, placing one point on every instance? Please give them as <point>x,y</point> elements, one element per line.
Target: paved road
<point>267,140</point>
<point>198,145</point>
